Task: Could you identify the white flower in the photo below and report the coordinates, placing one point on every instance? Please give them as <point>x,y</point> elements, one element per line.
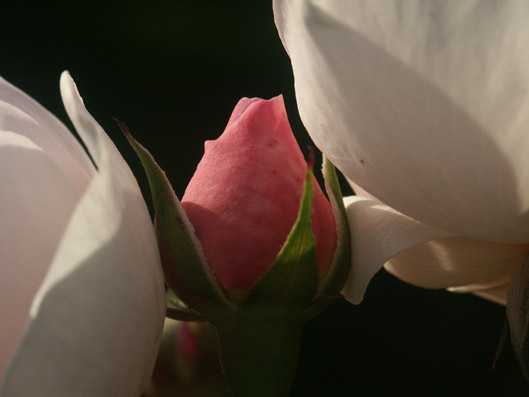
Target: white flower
<point>424,107</point>
<point>81,287</point>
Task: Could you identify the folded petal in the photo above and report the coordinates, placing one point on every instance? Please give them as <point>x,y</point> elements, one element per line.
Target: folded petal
<point>460,264</point>
<point>378,233</point>
<point>96,321</point>
<point>423,104</point>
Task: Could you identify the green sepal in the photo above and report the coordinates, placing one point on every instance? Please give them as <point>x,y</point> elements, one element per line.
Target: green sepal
<point>291,281</point>
<point>333,282</point>
<point>184,264</point>
<point>518,314</point>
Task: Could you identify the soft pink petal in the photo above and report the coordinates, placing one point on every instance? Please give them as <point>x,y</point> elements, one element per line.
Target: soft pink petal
<point>96,321</point>
<point>378,233</point>
<point>423,104</point>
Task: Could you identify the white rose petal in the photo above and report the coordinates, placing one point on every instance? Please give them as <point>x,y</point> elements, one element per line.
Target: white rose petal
<point>96,320</point>
<point>424,105</point>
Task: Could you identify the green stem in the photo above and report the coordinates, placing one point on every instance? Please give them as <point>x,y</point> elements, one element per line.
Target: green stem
<point>259,358</point>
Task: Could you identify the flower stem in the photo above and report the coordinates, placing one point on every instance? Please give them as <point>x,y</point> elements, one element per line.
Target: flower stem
<point>259,358</point>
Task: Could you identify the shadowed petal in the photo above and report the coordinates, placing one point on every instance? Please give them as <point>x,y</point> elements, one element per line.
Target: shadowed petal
<point>496,294</point>
<point>463,264</point>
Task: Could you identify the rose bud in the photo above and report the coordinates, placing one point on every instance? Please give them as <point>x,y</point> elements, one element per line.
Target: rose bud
<point>244,196</point>
<point>255,247</point>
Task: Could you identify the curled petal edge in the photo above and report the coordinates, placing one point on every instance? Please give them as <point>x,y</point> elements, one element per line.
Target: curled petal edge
<point>378,233</point>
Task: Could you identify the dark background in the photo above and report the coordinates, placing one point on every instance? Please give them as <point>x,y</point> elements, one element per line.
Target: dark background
<point>173,71</point>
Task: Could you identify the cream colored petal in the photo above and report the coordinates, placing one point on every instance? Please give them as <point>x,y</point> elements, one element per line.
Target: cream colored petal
<point>96,322</point>
<point>423,104</point>
<point>460,264</point>
<point>378,233</point>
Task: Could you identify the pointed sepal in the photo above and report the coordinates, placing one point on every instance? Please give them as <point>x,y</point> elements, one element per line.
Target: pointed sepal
<point>518,314</point>
<point>335,278</point>
<point>333,282</point>
<point>503,336</point>
<point>184,264</point>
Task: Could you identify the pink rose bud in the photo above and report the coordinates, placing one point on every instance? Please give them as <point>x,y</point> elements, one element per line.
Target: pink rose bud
<point>245,194</point>
<point>255,247</point>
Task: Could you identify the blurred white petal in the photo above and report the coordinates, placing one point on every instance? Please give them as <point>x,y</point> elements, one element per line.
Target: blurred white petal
<point>378,233</point>
<point>423,104</point>
<point>97,319</point>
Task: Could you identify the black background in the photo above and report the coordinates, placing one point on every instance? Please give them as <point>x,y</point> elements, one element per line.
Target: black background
<point>173,71</point>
